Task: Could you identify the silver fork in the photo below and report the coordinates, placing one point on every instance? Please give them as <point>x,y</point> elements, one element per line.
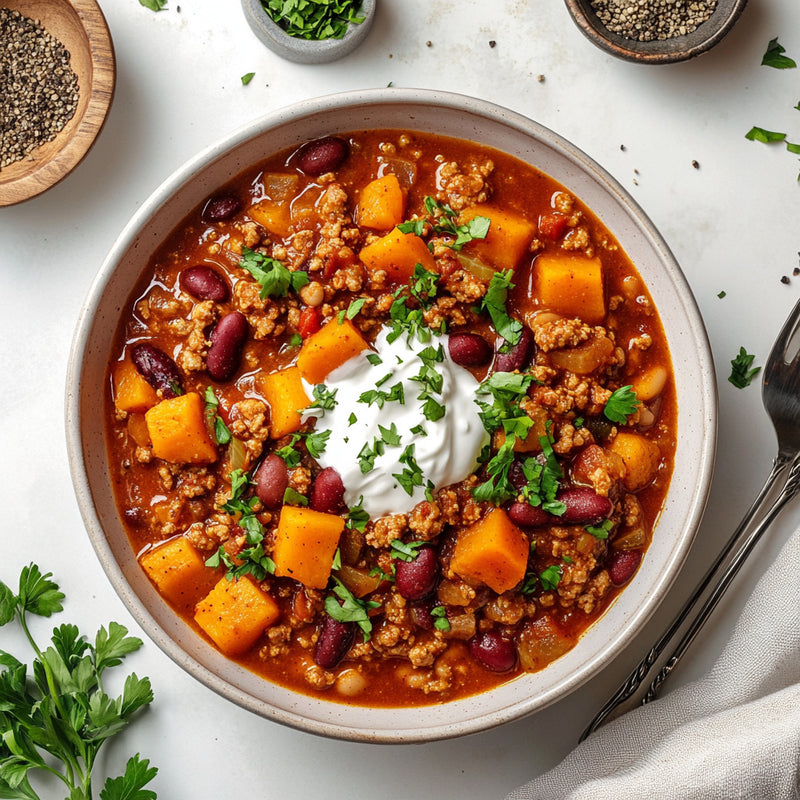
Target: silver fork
<point>780,393</point>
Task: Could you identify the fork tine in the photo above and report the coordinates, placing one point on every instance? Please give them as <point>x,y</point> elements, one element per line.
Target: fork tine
<point>777,356</point>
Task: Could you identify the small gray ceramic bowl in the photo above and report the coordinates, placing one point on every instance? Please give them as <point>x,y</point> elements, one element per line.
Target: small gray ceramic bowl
<point>663,51</point>
<point>306,51</point>
<point>405,110</point>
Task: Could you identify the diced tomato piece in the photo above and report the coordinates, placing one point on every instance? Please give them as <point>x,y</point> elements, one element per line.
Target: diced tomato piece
<point>334,262</point>
<point>310,321</point>
<point>552,225</point>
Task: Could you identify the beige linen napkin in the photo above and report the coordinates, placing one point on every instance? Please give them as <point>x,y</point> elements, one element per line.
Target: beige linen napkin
<point>733,734</point>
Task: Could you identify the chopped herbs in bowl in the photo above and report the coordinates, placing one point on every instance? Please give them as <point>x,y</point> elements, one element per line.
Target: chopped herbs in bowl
<point>310,31</point>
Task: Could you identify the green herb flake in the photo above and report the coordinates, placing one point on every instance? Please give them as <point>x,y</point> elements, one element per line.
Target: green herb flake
<point>246,78</point>
<point>742,369</point>
<point>602,530</point>
<point>494,304</point>
<point>154,5</point>
<point>292,497</point>
<point>314,19</point>
<point>774,57</point>
<point>374,359</point>
<point>756,134</point>
<point>550,577</point>
<point>316,442</point>
<point>440,621</point>
<point>622,403</point>
<point>275,279</point>
<point>222,433</point>
<point>405,551</point>
<point>722,294</point>
<point>357,517</point>
<point>350,609</point>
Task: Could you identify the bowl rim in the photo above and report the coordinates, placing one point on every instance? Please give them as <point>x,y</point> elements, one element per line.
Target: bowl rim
<point>664,51</point>
<point>83,130</point>
<point>691,508</point>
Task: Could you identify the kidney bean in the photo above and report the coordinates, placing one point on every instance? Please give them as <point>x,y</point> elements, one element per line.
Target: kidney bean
<point>227,341</point>
<point>527,516</point>
<point>518,356</point>
<point>516,476</point>
<point>322,155</point>
<point>469,349</point>
<point>493,651</point>
<point>584,506</point>
<point>416,578</point>
<point>271,479</point>
<point>335,639</point>
<point>157,368</point>
<point>327,493</point>
<point>421,614</point>
<point>622,565</point>
<point>205,283</point>
<point>221,207</point>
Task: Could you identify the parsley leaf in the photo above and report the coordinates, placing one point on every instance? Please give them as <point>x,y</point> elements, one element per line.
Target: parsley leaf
<point>440,621</point>
<point>351,608</point>
<point>222,433</point>
<point>405,551</point>
<point>602,530</point>
<point>130,786</point>
<point>773,57</point>
<point>444,222</point>
<point>742,369</point>
<point>153,5</point>
<point>314,19</point>
<point>621,404</point>
<point>411,475</point>
<point>357,517</point>
<point>316,441</point>
<point>247,77</point>
<point>324,399</point>
<point>494,303</point>
<point>550,577</point>
<point>275,279</point>
<point>756,134</point>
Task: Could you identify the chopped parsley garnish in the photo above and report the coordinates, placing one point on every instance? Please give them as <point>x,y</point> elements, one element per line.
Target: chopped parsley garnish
<point>295,340</point>
<point>774,56</point>
<point>411,475</point>
<point>153,5</point>
<point>494,304</point>
<point>390,435</point>
<point>367,455</point>
<point>357,517</point>
<point>222,432</point>
<point>289,454</point>
<point>324,398</point>
<point>316,441</point>
<point>550,577</point>
<point>602,530</point>
<point>374,359</point>
<point>314,19</point>
<point>721,294</point>
<point>756,134</point>
<point>424,285</point>
<point>405,551</point>
<point>56,717</point>
<point>351,609</point>
<point>352,419</point>
<point>440,621</point>
<point>543,479</point>
<point>419,430</point>
<point>275,279</point>
<point>378,396</point>
<point>352,310</point>
<point>621,404</point>
<point>742,369</point>
<point>444,222</point>
<point>247,77</point>
<point>292,497</point>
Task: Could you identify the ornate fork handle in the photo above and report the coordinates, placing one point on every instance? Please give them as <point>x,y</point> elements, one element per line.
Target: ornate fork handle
<point>717,579</point>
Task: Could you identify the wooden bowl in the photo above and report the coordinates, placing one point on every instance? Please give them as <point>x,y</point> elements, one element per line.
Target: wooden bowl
<point>663,51</point>
<point>81,27</point>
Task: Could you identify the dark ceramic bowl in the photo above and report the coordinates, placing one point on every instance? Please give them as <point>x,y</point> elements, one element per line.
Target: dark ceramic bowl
<point>663,51</point>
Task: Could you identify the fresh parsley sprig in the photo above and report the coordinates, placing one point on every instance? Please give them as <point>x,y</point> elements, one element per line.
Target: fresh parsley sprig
<point>622,403</point>
<point>351,608</point>
<point>57,718</point>
<point>774,56</point>
<point>742,369</point>
<point>314,19</point>
<point>494,304</point>
<point>222,433</point>
<point>443,221</point>
<point>276,280</point>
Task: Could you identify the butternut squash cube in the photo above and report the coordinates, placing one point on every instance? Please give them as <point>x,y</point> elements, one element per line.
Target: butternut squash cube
<point>132,393</point>
<point>328,348</point>
<point>175,567</point>
<point>235,613</point>
<point>508,239</point>
<point>305,543</point>
<point>275,217</point>
<point>283,390</point>
<point>382,203</point>
<point>177,429</point>
<point>570,285</point>
<point>398,254</point>
<point>641,457</point>
<point>493,551</point>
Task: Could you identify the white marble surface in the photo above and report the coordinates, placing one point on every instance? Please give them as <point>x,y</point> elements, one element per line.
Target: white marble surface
<point>732,224</point>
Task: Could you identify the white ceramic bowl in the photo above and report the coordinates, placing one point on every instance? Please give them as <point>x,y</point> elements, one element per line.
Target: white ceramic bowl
<point>451,115</point>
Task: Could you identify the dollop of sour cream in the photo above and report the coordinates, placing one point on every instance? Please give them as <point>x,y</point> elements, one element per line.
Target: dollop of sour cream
<point>379,432</point>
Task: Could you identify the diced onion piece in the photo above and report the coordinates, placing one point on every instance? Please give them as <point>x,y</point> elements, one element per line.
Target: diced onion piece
<point>280,186</point>
<point>631,539</point>
<point>478,268</point>
<point>358,581</point>
<point>237,454</point>
<point>540,642</point>
<point>585,358</point>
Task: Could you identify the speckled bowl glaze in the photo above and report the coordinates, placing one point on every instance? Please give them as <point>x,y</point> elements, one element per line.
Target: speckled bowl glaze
<point>306,51</point>
<point>406,110</point>
<point>665,51</point>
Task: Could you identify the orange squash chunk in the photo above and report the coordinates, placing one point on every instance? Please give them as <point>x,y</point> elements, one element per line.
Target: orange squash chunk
<point>493,551</point>
<point>175,567</point>
<point>275,217</point>
<point>641,457</point>
<point>382,203</point>
<point>235,613</point>
<point>305,543</point>
<point>328,348</point>
<point>283,390</point>
<point>132,393</point>
<point>398,254</point>
<point>570,285</point>
<point>177,429</point>
<point>508,239</point>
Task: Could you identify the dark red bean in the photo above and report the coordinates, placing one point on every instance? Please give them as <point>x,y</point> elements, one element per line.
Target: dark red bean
<point>584,506</point>
<point>271,479</point>
<point>416,578</point>
<point>622,565</point>
<point>205,283</point>
<point>493,651</point>
<point>469,349</point>
<point>221,207</point>
<point>322,155</point>
<point>528,516</point>
<point>227,341</point>
<point>157,368</point>
<point>518,356</point>
<point>335,639</point>
<point>516,476</point>
<point>327,493</point>
<point>421,614</point>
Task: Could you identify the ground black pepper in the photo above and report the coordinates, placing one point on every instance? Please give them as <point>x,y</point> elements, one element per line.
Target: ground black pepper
<point>648,20</point>
<point>38,88</point>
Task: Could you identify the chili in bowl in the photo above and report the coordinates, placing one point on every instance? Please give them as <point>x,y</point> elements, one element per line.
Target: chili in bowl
<point>393,419</point>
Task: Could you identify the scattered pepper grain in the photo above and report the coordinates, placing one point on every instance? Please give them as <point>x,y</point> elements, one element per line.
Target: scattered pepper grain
<point>695,164</point>
<point>649,20</point>
<point>38,87</point>
<point>492,43</point>
<point>784,279</point>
